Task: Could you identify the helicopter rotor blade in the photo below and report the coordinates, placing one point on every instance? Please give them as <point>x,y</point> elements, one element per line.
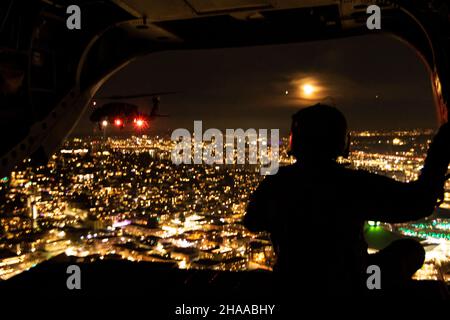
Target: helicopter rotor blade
<point>133,96</point>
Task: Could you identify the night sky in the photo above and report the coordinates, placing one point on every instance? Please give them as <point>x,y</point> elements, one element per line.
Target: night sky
<point>377,81</point>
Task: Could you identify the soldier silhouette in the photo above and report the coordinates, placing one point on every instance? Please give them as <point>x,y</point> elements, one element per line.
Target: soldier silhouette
<point>315,209</point>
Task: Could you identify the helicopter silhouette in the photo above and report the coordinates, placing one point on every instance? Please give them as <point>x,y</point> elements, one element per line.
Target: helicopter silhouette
<point>122,114</point>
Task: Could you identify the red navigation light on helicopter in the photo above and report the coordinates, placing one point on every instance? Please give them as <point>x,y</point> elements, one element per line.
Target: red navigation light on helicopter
<point>139,123</point>
<point>118,122</point>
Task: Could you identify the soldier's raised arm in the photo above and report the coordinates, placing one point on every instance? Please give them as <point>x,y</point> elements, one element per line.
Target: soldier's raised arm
<point>392,201</point>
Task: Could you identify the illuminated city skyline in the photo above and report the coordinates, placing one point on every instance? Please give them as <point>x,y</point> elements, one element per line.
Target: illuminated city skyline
<point>123,198</point>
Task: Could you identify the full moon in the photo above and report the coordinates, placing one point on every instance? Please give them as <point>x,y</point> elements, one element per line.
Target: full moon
<point>308,89</point>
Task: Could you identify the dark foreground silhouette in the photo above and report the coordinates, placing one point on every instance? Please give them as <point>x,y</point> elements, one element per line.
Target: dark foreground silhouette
<point>164,286</point>
<point>315,210</point>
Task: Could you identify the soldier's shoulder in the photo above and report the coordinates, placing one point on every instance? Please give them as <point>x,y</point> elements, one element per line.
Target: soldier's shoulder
<point>284,171</point>
<point>357,173</point>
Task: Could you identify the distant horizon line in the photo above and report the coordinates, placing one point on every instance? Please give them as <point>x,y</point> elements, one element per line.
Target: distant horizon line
<point>168,132</point>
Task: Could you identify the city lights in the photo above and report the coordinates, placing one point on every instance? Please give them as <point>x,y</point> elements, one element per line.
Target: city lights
<point>128,200</point>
